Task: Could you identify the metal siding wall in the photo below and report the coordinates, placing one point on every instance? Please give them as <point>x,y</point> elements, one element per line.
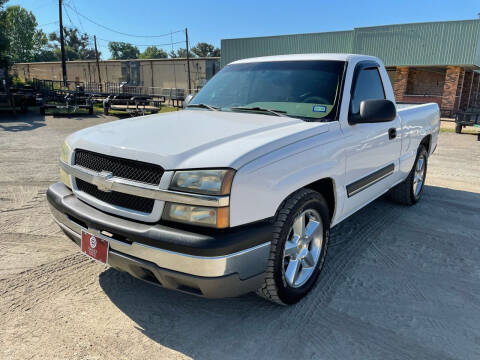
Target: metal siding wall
<point>441,43</point>
<point>477,55</point>
<point>437,43</point>
<point>235,49</point>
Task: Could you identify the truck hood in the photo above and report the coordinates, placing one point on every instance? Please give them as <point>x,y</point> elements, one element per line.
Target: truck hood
<point>192,139</point>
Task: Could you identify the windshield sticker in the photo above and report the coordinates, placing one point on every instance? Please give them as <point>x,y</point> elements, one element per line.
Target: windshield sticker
<point>319,108</point>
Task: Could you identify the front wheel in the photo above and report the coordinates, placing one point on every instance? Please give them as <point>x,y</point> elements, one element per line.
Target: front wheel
<point>298,248</point>
<point>410,190</point>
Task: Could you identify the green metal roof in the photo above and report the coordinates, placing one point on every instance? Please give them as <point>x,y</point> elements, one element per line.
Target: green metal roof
<point>434,43</point>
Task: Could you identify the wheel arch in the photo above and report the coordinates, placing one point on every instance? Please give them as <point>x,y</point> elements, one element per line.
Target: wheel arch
<point>326,187</point>
<point>427,141</point>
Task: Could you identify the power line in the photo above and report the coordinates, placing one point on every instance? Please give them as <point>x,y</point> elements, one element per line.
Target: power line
<point>166,44</point>
<point>119,32</point>
<point>45,3</point>
<point>68,15</point>
<point>78,17</point>
<point>49,23</point>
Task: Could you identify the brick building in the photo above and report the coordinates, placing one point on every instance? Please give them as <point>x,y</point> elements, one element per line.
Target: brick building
<point>427,62</point>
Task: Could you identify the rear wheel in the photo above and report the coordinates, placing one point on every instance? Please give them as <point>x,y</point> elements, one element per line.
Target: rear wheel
<point>298,248</point>
<point>458,128</point>
<point>410,190</point>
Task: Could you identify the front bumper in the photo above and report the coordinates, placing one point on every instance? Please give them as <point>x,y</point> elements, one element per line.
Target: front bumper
<point>210,263</point>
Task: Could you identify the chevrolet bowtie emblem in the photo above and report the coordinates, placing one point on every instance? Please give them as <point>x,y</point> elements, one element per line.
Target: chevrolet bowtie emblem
<point>103,181</point>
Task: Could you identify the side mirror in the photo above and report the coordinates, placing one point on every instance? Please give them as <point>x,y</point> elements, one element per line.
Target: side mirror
<point>188,98</point>
<point>374,111</point>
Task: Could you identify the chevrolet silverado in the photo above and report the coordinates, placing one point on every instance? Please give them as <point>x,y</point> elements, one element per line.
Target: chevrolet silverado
<point>238,191</point>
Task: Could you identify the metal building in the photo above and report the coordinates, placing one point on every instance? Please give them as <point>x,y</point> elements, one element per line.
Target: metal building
<point>427,62</point>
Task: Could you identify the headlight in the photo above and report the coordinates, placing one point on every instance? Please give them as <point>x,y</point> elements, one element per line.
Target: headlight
<point>197,215</point>
<point>65,157</point>
<point>206,182</point>
<point>209,182</point>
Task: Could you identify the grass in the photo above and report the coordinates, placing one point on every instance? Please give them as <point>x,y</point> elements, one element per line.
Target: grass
<point>98,109</point>
<point>465,130</point>
<point>446,130</point>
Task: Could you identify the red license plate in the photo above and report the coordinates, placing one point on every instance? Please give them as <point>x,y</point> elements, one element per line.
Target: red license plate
<point>95,247</point>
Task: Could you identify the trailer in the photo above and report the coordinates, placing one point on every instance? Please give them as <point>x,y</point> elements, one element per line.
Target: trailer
<point>470,117</point>
<point>69,95</point>
<point>12,99</point>
<point>133,105</point>
<point>134,100</point>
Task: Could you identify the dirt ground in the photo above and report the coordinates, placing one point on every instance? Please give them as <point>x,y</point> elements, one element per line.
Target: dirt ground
<point>399,282</point>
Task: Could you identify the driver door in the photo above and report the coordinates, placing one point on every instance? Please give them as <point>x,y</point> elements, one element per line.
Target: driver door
<point>372,149</point>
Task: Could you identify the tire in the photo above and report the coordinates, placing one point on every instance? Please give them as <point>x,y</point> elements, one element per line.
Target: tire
<point>406,193</point>
<point>458,128</point>
<point>277,287</point>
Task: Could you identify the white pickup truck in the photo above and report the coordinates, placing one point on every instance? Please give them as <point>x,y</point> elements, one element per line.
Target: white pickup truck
<point>239,191</point>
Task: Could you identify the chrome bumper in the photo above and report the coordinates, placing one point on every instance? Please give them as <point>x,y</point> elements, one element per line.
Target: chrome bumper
<point>246,267</point>
<point>246,263</point>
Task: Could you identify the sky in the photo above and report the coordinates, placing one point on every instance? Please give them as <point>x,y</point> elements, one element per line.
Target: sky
<point>211,20</point>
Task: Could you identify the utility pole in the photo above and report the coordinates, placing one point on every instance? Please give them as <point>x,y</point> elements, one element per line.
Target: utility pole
<point>62,45</point>
<point>188,62</point>
<point>98,64</point>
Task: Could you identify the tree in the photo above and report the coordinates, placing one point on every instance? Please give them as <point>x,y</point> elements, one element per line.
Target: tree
<point>77,45</point>
<point>205,50</point>
<point>46,55</point>
<point>24,38</point>
<point>181,53</point>
<point>152,52</point>
<point>4,42</point>
<point>122,50</point>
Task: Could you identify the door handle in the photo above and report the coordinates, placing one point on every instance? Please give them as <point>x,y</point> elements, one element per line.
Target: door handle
<point>392,133</point>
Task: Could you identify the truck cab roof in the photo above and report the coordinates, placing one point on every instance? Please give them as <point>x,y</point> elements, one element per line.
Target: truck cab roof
<point>306,57</point>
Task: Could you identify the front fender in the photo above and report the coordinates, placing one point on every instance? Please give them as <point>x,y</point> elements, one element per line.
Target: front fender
<point>261,186</point>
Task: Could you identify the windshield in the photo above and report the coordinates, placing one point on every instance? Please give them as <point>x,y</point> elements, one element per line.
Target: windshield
<point>305,89</point>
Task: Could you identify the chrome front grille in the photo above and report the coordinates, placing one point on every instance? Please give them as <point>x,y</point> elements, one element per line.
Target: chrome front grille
<point>122,168</point>
<point>119,168</point>
<point>126,201</point>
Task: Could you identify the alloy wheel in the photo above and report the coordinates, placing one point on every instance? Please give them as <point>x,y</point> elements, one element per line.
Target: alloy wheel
<point>303,248</point>
<point>419,175</point>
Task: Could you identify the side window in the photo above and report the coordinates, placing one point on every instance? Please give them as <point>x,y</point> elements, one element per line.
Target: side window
<point>367,86</point>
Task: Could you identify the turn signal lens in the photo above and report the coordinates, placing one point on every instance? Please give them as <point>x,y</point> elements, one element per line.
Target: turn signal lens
<point>66,152</point>
<point>65,155</point>
<point>65,178</point>
<point>197,215</point>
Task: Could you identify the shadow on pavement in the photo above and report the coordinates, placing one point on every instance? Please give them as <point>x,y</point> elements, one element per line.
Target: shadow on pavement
<point>20,122</point>
<point>33,120</point>
<point>72,115</point>
<point>326,323</point>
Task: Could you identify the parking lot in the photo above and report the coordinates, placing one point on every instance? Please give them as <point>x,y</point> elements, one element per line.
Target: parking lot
<point>399,282</point>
